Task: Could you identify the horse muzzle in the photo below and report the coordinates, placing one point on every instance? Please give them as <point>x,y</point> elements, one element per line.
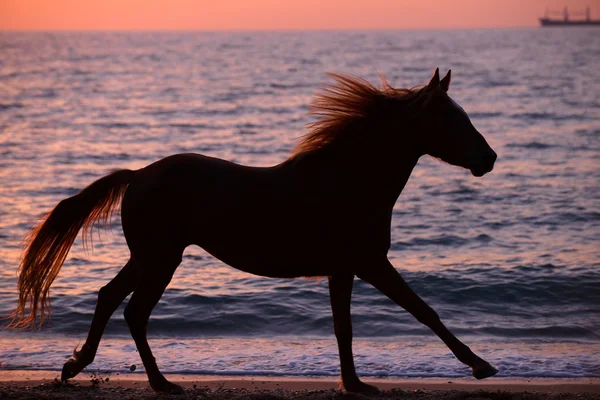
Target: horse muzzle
<point>485,164</point>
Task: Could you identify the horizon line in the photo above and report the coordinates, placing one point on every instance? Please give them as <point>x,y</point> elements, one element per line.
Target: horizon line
<point>133,30</point>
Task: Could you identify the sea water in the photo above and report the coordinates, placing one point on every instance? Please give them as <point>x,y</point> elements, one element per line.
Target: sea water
<point>510,261</point>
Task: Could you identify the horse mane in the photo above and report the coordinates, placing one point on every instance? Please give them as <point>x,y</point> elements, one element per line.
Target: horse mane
<point>348,99</point>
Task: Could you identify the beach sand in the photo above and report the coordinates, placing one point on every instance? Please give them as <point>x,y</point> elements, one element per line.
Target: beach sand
<point>46,385</point>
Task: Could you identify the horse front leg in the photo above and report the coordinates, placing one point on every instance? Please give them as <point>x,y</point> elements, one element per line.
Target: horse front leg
<point>340,293</point>
<point>389,282</point>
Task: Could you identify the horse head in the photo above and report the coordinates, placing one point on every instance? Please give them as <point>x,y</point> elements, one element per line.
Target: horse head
<point>449,134</point>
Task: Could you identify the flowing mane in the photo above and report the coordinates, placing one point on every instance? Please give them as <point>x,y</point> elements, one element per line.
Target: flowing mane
<point>348,99</point>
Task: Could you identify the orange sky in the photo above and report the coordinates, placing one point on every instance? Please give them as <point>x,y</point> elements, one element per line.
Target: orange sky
<point>275,14</point>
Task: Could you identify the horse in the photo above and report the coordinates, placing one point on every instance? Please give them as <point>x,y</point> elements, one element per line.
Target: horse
<point>286,221</point>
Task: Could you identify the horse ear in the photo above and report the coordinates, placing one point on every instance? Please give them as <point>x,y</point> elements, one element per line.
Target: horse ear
<point>445,83</point>
<point>435,81</point>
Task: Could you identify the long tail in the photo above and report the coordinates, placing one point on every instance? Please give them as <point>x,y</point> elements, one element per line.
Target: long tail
<point>48,244</point>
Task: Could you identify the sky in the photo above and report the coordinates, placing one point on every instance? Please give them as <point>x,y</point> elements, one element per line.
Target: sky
<point>277,14</point>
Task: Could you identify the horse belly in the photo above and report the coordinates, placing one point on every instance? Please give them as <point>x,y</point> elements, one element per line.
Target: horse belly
<point>278,252</point>
<point>265,257</point>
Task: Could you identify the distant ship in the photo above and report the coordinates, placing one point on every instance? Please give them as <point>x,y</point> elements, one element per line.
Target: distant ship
<point>565,21</point>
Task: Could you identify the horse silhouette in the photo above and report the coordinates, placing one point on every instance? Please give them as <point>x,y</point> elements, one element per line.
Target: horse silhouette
<point>289,220</point>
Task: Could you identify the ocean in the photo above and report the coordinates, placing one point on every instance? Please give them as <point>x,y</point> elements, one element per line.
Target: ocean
<point>510,261</point>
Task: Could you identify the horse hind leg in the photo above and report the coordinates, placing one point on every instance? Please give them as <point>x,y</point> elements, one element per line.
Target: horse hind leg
<point>110,297</point>
<point>154,278</point>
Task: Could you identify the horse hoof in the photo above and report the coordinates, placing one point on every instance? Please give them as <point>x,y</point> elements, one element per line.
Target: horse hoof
<point>77,362</point>
<point>484,371</point>
<point>359,387</point>
<point>70,370</point>
<point>166,387</point>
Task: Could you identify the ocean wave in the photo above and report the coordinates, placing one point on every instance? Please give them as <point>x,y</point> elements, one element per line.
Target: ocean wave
<point>493,84</point>
<point>440,240</point>
<point>477,300</point>
<point>121,125</point>
<point>531,145</point>
<point>408,357</point>
<point>8,106</point>
<point>534,116</point>
<point>485,115</point>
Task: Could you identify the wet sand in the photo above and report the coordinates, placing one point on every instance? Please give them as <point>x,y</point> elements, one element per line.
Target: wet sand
<point>46,385</point>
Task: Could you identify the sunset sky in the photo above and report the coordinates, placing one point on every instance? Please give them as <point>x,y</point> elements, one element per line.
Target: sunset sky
<point>276,14</point>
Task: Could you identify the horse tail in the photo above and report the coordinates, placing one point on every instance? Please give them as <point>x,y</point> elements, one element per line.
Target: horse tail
<point>48,244</point>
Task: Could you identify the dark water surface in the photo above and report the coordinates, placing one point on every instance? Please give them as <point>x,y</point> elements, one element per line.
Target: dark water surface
<point>510,261</point>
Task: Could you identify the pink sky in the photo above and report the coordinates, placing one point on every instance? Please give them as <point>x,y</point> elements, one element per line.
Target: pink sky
<point>276,14</point>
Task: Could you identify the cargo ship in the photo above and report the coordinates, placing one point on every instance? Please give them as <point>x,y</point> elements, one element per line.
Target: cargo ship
<point>566,21</point>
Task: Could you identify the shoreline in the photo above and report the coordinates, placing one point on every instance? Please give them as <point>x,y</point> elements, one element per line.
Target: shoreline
<point>31,384</point>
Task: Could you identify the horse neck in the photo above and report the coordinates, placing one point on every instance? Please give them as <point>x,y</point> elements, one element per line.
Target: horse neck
<point>373,173</point>
<point>382,177</point>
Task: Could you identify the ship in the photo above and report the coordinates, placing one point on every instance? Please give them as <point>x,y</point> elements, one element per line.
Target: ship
<point>566,21</point>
